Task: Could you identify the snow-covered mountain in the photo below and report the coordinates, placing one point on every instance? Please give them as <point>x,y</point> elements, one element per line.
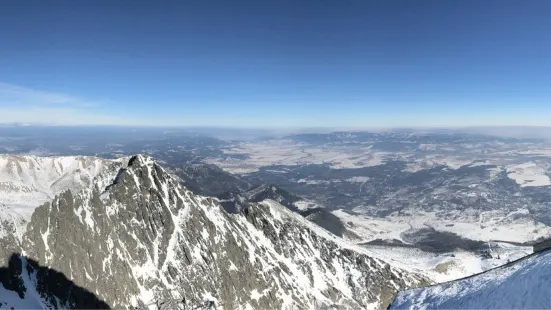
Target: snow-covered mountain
<point>234,202</point>
<point>29,181</point>
<point>522,284</point>
<point>135,236</point>
<point>210,180</point>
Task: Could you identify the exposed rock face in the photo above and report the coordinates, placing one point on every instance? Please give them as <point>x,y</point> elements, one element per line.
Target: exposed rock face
<point>28,181</point>
<point>137,236</point>
<point>11,230</point>
<point>273,192</point>
<point>327,220</point>
<point>235,202</point>
<point>210,180</point>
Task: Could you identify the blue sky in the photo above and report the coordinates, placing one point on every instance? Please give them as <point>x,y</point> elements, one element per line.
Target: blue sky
<point>276,63</point>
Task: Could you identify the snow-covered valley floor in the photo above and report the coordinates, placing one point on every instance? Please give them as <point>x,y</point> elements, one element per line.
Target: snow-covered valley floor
<point>442,251</point>
<point>443,267</point>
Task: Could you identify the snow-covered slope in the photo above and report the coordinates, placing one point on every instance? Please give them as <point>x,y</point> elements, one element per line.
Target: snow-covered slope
<point>523,284</point>
<point>516,226</point>
<point>25,284</point>
<point>137,236</point>
<point>28,181</point>
<point>445,250</point>
<point>443,267</point>
<point>234,202</point>
<point>528,174</point>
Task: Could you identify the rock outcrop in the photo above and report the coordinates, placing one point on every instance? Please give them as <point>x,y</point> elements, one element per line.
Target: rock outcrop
<point>137,236</point>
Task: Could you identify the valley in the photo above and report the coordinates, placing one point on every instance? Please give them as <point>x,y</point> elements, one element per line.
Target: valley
<point>432,207</point>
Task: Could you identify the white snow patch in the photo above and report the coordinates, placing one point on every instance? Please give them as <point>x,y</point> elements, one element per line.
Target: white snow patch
<point>358,179</point>
<point>528,174</point>
<point>288,152</point>
<point>255,295</point>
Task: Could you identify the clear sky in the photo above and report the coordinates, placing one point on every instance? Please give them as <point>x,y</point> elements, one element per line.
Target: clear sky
<point>276,63</point>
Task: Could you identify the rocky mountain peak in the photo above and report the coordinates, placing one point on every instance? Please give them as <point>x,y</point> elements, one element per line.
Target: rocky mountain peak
<point>271,191</point>
<point>137,236</point>
<point>140,160</point>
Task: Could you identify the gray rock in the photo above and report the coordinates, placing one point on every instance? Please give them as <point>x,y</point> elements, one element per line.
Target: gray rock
<point>139,237</point>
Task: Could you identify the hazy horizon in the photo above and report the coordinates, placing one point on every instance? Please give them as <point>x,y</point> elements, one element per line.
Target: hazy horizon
<point>244,133</point>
